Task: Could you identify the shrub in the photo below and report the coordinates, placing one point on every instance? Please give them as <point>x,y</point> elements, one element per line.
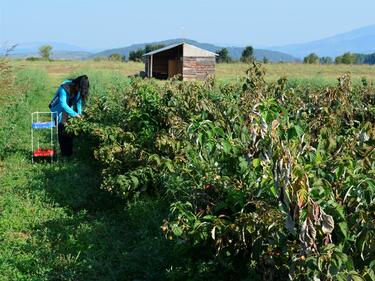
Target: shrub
<point>116,57</point>
<point>311,59</point>
<point>33,59</point>
<point>265,182</point>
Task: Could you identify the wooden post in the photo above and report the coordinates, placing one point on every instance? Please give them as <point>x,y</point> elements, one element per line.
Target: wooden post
<point>151,65</point>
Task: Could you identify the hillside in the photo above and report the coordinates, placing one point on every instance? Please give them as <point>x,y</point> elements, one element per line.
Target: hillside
<point>235,52</point>
<point>361,40</point>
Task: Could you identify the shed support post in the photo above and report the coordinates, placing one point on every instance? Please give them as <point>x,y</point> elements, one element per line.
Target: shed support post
<point>152,56</point>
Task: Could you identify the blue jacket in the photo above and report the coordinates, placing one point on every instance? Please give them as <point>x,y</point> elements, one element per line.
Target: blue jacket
<point>60,103</point>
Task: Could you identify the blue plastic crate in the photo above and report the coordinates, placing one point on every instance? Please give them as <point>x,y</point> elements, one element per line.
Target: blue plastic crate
<point>43,125</point>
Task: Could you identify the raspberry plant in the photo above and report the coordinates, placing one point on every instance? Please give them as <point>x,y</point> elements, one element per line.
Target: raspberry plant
<point>265,181</point>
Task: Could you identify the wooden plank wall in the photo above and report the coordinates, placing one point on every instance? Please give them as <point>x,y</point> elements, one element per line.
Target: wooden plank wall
<point>147,62</point>
<point>198,68</point>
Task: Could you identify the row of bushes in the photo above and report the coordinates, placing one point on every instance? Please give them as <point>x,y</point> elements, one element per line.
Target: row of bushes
<point>265,181</point>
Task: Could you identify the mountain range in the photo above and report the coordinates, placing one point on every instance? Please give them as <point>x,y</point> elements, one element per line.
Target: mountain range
<point>234,52</point>
<point>361,40</point>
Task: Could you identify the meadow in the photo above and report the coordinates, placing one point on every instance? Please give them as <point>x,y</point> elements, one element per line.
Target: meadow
<point>250,177</point>
<point>225,72</point>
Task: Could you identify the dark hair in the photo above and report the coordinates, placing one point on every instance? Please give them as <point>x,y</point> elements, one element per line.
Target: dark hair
<point>83,86</point>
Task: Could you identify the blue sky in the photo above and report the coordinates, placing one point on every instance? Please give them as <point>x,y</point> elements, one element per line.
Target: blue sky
<point>114,23</point>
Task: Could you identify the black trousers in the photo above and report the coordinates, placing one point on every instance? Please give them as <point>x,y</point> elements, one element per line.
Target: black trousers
<point>65,141</point>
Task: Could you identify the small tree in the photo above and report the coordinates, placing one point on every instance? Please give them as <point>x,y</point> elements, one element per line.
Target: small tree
<point>247,55</point>
<point>311,59</point>
<point>223,56</point>
<point>136,55</point>
<point>265,60</point>
<point>338,60</point>
<point>326,60</point>
<point>116,57</point>
<point>370,59</point>
<point>348,58</point>
<point>150,47</point>
<point>45,52</point>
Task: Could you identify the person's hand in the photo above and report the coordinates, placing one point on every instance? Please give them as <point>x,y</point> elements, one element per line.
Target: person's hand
<point>79,116</point>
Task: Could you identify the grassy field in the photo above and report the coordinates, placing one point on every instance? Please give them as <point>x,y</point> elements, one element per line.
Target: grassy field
<point>317,73</point>
<point>55,223</point>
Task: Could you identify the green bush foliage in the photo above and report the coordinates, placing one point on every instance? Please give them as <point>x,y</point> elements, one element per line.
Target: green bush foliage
<point>311,59</point>
<point>265,181</point>
<point>223,56</point>
<point>116,57</point>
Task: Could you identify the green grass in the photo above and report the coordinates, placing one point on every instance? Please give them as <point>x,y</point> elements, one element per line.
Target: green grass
<point>224,72</point>
<point>55,222</point>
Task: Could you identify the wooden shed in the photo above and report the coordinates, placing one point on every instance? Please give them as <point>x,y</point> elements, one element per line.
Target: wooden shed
<point>188,61</point>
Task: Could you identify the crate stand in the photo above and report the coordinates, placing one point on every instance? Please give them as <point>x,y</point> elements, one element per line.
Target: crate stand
<point>44,121</point>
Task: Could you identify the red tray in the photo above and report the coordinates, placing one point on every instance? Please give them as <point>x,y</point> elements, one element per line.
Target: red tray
<point>43,152</point>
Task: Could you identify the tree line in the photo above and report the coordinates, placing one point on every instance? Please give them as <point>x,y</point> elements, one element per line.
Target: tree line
<point>247,56</point>
<point>135,55</point>
<point>222,55</point>
<point>346,58</point>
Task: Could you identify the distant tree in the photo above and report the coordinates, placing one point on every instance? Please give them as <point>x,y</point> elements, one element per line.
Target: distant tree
<point>100,58</point>
<point>338,60</point>
<point>348,58</point>
<point>45,52</point>
<point>136,55</point>
<point>358,58</point>
<point>247,55</point>
<point>311,59</point>
<point>151,47</point>
<point>361,58</point>
<point>265,60</point>
<point>369,59</point>
<point>326,60</point>
<point>116,57</point>
<point>223,56</point>
<point>33,59</point>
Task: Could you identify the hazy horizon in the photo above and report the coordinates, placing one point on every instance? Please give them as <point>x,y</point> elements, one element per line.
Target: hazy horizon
<point>95,25</point>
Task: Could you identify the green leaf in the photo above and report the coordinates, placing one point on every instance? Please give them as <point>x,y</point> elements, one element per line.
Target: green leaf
<point>355,276</point>
<point>299,131</point>
<point>319,158</point>
<point>295,131</point>
<point>344,228</point>
<point>209,218</point>
<point>177,230</point>
<point>243,164</point>
<point>273,190</point>
<point>134,181</point>
<point>220,132</point>
<point>256,162</point>
<point>169,166</point>
<point>226,146</point>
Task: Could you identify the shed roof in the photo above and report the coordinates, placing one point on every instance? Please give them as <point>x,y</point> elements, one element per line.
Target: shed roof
<point>189,50</point>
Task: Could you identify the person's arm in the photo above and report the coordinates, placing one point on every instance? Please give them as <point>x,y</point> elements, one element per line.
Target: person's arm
<point>64,105</point>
